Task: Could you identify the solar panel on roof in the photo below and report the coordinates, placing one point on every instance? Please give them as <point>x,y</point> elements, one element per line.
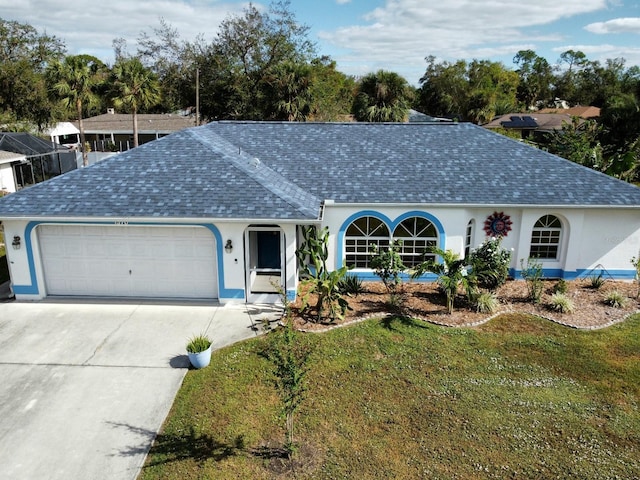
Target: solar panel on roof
<point>523,121</point>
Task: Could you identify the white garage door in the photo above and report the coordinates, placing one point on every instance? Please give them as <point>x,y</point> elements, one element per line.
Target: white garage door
<point>128,261</point>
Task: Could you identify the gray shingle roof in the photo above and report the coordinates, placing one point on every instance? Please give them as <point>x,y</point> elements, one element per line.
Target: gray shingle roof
<point>211,172</point>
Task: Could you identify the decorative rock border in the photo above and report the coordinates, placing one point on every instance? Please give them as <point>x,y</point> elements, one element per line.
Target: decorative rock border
<point>469,324</point>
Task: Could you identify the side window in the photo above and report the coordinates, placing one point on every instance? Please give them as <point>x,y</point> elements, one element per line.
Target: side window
<point>468,238</point>
<point>417,235</point>
<point>545,238</point>
<point>362,233</point>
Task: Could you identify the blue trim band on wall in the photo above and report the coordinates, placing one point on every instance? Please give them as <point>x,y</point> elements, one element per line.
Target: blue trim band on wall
<point>33,289</point>
<point>579,274</point>
<point>391,224</point>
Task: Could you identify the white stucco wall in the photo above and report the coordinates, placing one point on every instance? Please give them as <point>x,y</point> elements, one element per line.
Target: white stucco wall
<point>27,274</point>
<point>7,182</point>
<point>591,238</point>
<point>601,239</point>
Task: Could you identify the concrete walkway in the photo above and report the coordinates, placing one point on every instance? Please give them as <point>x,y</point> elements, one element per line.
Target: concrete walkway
<point>85,387</point>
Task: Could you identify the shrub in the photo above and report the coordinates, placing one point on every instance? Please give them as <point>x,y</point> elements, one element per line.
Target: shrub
<point>615,299</point>
<point>560,286</point>
<point>452,275</point>
<point>351,285</point>
<point>387,264</point>
<point>561,303</point>
<point>490,264</point>
<point>636,264</point>
<point>486,302</point>
<point>596,281</point>
<point>314,250</point>
<point>533,275</point>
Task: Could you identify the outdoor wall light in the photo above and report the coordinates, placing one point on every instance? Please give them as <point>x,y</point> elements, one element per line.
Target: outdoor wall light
<point>228,246</point>
<point>16,242</point>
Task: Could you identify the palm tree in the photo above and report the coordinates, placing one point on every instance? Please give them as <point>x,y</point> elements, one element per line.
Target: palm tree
<point>135,88</point>
<point>382,97</point>
<point>452,274</point>
<point>75,80</point>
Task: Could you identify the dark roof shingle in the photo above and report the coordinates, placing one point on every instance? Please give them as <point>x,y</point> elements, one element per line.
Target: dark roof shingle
<point>212,172</point>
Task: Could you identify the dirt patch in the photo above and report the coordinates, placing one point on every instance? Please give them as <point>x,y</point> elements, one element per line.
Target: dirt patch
<point>424,301</point>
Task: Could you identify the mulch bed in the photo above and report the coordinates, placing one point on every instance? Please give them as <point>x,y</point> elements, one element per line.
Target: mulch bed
<point>424,301</point>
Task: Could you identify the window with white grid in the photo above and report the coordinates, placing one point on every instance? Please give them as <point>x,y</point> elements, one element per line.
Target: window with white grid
<point>545,238</point>
<point>417,235</point>
<point>360,236</point>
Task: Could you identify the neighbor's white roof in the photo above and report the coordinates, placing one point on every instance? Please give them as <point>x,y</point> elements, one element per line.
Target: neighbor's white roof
<point>6,157</point>
<point>62,128</point>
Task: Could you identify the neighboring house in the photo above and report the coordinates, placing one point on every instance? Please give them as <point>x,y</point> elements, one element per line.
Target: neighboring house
<point>34,160</point>
<point>530,125</point>
<point>579,111</point>
<point>63,133</point>
<point>7,177</point>
<point>114,131</point>
<point>214,212</point>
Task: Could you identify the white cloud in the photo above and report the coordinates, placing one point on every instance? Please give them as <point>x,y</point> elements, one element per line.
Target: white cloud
<point>602,52</point>
<point>342,2</point>
<point>92,29</point>
<point>403,32</point>
<point>617,25</point>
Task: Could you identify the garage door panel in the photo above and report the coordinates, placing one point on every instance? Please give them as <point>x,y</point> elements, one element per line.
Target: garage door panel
<point>167,262</point>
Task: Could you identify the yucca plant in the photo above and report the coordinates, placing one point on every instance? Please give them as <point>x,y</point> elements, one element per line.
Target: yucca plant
<point>487,302</point>
<point>561,303</point>
<point>615,299</point>
<point>596,281</point>
<point>351,285</point>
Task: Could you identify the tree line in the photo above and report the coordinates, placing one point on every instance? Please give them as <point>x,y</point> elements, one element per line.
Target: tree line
<point>261,65</point>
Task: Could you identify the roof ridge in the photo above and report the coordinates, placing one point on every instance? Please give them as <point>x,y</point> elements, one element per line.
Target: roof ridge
<point>300,199</point>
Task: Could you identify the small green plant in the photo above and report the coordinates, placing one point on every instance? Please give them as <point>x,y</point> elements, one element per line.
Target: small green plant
<point>561,303</point>
<point>314,252</point>
<point>486,302</point>
<point>596,281</point>
<point>533,275</point>
<point>490,264</point>
<point>615,299</point>
<point>198,343</point>
<point>561,287</point>
<point>636,264</point>
<point>351,285</point>
<point>387,264</point>
<point>452,275</point>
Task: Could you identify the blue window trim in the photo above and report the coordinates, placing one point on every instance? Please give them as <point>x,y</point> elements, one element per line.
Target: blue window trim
<point>391,224</point>
<point>33,289</point>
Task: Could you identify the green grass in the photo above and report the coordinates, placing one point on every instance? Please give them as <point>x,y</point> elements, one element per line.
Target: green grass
<point>519,397</point>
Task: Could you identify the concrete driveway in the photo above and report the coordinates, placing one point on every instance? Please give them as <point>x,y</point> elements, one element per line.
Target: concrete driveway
<point>84,388</point>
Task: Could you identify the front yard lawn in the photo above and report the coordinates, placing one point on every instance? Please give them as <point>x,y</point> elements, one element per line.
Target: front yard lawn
<point>518,397</point>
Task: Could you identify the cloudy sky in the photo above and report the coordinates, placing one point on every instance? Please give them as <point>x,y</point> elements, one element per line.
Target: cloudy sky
<point>365,35</point>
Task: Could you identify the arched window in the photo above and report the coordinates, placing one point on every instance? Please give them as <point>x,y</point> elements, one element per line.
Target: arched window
<point>545,238</point>
<point>468,238</point>
<point>359,236</point>
<point>417,235</point>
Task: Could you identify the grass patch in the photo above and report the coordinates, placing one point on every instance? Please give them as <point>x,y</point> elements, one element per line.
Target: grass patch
<point>519,397</point>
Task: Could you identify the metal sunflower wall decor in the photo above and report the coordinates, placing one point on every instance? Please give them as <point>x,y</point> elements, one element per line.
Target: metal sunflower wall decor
<point>497,225</point>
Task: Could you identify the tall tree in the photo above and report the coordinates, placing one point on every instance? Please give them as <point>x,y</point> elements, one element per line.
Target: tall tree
<point>476,91</point>
<point>75,80</point>
<point>536,77</point>
<point>135,88</point>
<point>382,97</point>
<point>242,58</point>
<point>24,57</point>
